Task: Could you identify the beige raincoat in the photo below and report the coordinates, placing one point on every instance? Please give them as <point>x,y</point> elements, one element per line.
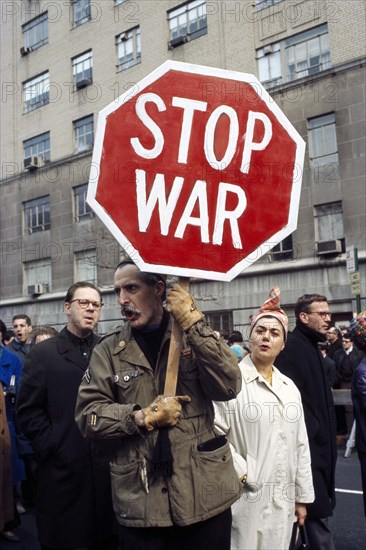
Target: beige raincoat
<point>265,426</point>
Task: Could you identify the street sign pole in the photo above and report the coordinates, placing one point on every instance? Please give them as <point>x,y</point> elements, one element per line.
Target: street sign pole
<point>358,293</point>
<point>354,275</point>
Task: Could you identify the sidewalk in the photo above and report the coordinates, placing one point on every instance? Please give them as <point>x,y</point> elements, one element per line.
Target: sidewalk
<point>27,532</point>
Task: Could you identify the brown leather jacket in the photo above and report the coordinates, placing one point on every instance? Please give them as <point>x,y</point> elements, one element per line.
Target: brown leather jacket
<point>120,380</point>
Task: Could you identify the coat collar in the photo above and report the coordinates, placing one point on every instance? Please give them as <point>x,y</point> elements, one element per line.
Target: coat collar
<point>250,373</point>
<point>127,346</point>
<point>68,348</point>
<point>310,334</point>
<point>20,347</point>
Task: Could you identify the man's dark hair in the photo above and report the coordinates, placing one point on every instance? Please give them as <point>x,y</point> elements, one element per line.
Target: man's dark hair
<point>304,303</point>
<point>9,334</point>
<point>2,328</point>
<point>22,316</point>
<point>44,330</point>
<point>235,336</point>
<point>81,284</point>
<point>149,278</point>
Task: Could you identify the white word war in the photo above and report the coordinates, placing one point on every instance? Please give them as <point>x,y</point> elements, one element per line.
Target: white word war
<point>198,197</point>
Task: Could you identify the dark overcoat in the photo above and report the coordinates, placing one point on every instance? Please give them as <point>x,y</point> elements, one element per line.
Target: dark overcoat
<point>359,405</point>
<point>346,366</point>
<point>6,485</point>
<point>73,506</point>
<point>302,362</point>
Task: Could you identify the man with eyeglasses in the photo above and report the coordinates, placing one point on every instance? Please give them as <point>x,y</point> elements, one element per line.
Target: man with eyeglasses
<point>302,362</point>
<point>73,503</point>
<point>334,340</point>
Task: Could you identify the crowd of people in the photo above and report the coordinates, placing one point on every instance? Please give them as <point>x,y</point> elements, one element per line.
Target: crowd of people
<point>242,453</point>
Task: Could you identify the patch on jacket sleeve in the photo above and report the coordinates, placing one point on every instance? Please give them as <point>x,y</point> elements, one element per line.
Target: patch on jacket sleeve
<point>93,419</point>
<point>87,376</point>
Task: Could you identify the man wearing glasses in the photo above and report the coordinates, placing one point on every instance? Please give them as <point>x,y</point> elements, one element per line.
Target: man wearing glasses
<point>73,504</point>
<point>346,360</point>
<point>302,361</point>
<point>334,338</point>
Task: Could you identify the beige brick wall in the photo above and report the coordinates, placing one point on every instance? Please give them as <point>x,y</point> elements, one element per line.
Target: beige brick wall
<point>235,30</point>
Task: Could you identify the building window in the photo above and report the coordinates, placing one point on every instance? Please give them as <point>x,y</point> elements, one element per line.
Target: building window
<point>84,134</point>
<point>128,48</point>
<point>269,64</point>
<point>282,251</point>
<point>323,150</point>
<point>119,1</point>
<point>36,92</point>
<point>307,53</point>
<point>35,32</point>
<point>38,146</point>
<point>329,221</point>
<point>263,4</point>
<point>82,70</point>
<point>189,20</point>
<point>80,12</point>
<point>86,266</point>
<point>38,273</point>
<point>37,215</point>
<point>298,56</point>
<point>82,208</point>
<point>221,321</point>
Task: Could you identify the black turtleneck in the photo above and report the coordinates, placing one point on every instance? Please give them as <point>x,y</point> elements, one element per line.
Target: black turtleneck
<point>85,345</point>
<point>313,335</point>
<point>150,338</point>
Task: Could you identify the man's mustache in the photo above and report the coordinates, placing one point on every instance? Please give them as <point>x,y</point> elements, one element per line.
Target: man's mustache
<point>128,310</point>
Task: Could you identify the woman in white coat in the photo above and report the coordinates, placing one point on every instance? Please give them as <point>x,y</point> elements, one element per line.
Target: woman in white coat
<point>266,429</point>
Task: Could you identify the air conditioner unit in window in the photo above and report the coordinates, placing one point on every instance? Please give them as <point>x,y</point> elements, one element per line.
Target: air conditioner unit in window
<point>122,37</point>
<point>32,163</point>
<point>83,83</point>
<point>25,51</point>
<point>36,290</point>
<point>327,248</point>
<point>267,50</point>
<point>178,41</point>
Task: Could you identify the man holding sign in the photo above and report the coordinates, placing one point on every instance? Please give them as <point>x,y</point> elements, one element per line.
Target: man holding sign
<point>173,478</point>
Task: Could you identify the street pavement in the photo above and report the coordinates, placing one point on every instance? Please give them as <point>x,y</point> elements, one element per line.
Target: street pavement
<point>348,523</point>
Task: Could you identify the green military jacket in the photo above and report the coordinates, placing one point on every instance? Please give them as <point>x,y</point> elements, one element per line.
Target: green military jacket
<point>121,380</point>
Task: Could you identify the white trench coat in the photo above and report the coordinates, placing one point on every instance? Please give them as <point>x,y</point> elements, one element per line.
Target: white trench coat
<point>266,428</point>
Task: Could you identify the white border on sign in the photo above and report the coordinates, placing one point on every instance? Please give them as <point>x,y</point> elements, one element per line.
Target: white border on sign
<point>208,71</point>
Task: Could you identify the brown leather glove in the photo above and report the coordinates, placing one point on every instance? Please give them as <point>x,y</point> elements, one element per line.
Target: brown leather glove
<point>183,307</point>
<point>164,411</point>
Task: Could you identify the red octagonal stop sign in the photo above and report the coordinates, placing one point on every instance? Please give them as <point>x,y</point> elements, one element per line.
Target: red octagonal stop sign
<point>196,171</point>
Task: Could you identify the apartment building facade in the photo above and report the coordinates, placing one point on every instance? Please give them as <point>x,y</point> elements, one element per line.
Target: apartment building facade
<point>64,61</point>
